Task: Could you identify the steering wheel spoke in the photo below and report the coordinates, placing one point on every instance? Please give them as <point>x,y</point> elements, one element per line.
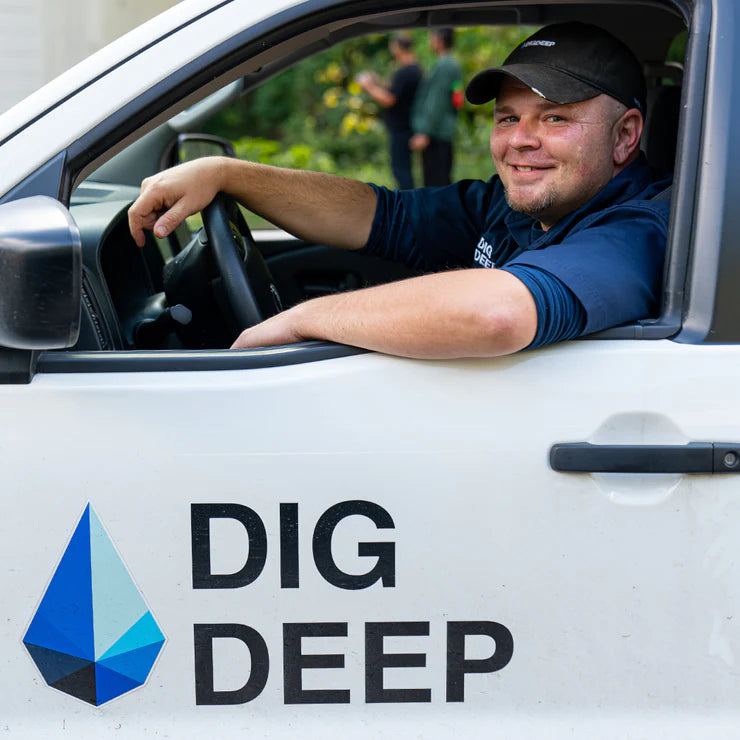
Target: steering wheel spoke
<point>250,288</point>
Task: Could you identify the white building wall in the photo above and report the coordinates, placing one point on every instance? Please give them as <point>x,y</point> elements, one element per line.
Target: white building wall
<point>39,39</point>
<point>22,65</point>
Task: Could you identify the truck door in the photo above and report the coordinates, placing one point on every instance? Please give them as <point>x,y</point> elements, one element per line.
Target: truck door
<point>384,543</point>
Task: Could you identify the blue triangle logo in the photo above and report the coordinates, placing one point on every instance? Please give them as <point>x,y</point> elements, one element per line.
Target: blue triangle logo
<point>93,614</point>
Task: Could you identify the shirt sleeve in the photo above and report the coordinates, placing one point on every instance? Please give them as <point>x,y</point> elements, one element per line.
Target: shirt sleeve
<point>560,315</point>
<point>430,228</point>
<point>613,265</point>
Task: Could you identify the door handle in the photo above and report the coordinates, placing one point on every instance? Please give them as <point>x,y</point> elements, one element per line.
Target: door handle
<point>695,457</point>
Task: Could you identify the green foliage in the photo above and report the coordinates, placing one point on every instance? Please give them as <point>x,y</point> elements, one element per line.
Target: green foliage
<point>315,116</point>
<point>677,49</point>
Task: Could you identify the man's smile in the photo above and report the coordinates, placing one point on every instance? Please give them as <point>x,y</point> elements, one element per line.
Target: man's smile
<point>528,170</point>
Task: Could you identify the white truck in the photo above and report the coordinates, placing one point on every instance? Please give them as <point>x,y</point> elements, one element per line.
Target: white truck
<point>318,541</point>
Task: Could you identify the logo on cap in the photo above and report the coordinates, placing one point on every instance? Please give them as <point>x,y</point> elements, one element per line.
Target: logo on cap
<point>537,42</point>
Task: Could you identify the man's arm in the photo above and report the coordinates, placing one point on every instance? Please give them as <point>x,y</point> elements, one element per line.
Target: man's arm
<point>325,209</point>
<point>462,313</point>
<point>371,85</point>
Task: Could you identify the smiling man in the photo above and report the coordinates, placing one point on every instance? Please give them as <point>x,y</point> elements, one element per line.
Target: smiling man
<point>569,229</point>
<point>551,157</point>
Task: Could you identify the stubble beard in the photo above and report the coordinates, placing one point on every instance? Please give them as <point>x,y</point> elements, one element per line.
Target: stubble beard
<point>537,208</point>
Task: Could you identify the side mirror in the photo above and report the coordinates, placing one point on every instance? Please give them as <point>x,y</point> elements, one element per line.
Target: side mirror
<point>40,275</point>
<point>194,146</point>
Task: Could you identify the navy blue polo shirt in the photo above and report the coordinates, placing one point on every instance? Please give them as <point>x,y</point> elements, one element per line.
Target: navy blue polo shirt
<point>600,266</point>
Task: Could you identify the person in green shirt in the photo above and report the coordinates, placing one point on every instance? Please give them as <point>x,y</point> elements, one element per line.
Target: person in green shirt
<point>434,115</point>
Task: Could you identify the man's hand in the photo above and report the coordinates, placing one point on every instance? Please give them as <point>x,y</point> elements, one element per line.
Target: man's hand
<point>277,330</point>
<point>169,197</point>
<point>370,83</point>
<point>419,142</point>
<point>366,79</point>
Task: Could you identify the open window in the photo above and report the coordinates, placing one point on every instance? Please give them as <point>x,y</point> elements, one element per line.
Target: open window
<point>123,286</point>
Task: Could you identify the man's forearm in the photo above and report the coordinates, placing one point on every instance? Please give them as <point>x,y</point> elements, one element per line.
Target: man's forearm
<point>321,208</point>
<point>465,313</point>
<point>325,209</point>
<point>381,95</point>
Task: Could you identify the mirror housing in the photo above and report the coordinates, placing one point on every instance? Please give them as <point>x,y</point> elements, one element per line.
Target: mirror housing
<point>40,275</point>
<point>194,146</point>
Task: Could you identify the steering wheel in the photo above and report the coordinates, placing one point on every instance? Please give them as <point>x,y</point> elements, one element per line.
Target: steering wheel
<point>249,286</point>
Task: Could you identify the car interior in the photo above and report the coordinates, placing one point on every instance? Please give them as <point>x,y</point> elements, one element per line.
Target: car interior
<point>197,290</point>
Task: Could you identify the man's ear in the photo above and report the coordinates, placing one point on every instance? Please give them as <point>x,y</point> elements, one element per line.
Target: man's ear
<point>627,132</point>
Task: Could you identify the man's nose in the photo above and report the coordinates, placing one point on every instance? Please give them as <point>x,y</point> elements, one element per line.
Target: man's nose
<point>525,135</point>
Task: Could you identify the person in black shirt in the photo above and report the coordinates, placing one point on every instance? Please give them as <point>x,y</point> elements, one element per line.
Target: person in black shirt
<point>397,101</point>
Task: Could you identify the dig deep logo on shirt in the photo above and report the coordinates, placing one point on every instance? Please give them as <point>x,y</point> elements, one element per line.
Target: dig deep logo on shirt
<point>383,570</point>
<point>482,254</point>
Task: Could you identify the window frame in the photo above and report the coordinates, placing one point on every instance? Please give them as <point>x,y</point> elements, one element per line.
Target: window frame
<point>315,25</point>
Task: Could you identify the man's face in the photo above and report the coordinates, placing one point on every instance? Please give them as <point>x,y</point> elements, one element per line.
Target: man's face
<point>552,158</point>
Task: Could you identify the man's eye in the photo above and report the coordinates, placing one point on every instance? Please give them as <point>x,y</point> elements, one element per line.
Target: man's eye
<point>507,119</point>
<point>555,119</point>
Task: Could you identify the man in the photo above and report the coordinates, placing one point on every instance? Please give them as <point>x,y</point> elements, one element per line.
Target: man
<point>569,230</point>
<point>397,100</point>
<point>434,115</point>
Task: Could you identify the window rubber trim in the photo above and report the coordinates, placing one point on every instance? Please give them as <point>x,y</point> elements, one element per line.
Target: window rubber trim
<point>148,361</point>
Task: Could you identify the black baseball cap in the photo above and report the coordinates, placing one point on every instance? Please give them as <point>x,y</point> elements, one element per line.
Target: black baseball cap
<point>567,63</point>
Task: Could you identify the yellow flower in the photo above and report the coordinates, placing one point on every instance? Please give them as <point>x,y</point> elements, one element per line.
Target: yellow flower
<point>333,72</point>
<point>353,88</point>
<point>330,99</point>
<point>349,124</point>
